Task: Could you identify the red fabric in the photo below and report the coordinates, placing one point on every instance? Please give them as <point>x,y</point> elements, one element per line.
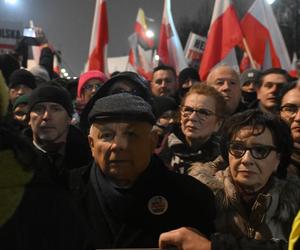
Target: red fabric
<point>169,49</point>
<point>257,43</point>
<point>223,36</point>
<point>97,59</point>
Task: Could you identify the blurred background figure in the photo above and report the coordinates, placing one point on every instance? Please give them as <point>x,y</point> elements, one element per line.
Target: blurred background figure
<point>89,83</point>
<point>249,82</point>
<point>8,64</point>
<point>186,79</point>
<point>20,109</point>
<point>166,112</point>
<point>21,82</point>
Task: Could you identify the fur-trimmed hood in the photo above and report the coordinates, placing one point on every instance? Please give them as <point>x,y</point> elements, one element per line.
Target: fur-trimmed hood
<point>271,215</point>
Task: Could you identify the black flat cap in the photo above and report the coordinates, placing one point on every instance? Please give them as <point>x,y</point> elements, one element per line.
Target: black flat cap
<point>121,107</point>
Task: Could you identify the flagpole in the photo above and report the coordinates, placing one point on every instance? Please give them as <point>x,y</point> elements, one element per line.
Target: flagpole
<point>249,53</point>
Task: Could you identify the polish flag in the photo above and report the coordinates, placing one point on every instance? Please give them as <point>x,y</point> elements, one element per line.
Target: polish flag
<point>139,59</point>
<point>264,38</point>
<point>169,49</point>
<point>99,39</point>
<point>140,29</point>
<point>223,35</point>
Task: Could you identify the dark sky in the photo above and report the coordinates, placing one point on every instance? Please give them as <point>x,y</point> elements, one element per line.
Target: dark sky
<point>68,23</point>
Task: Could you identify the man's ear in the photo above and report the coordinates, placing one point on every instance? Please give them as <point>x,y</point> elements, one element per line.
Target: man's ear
<point>91,143</point>
<point>153,139</point>
<point>218,125</point>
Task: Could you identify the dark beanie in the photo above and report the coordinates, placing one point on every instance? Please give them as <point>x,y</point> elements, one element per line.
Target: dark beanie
<point>22,76</point>
<point>23,99</point>
<point>121,107</point>
<point>186,74</point>
<point>51,93</point>
<point>250,75</point>
<point>162,104</point>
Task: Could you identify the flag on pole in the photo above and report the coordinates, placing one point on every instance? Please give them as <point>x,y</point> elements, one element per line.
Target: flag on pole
<point>264,38</point>
<point>97,59</point>
<point>139,59</point>
<point>169,49</point>
<point>141,45</point>
<point>223,35</point>
<point>141,29</point>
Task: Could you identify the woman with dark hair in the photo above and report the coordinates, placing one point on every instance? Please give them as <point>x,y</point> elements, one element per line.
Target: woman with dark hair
<point>256,201</point>
<point>289,103</point>
<point>256,204</point>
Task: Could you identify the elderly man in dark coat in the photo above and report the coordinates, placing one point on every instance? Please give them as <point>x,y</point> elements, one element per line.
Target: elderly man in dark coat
<point>127,196</point>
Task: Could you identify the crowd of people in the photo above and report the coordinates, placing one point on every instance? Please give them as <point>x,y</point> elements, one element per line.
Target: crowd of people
<point>123,162</point>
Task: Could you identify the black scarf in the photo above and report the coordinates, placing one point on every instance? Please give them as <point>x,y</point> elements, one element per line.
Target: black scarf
<point>125,209</point>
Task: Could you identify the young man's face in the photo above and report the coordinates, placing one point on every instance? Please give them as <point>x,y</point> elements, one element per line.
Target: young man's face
<point>163,83</point>
<point>267,92</point>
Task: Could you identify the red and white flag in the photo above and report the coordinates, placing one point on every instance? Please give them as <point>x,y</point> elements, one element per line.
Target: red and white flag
<point>169,49</point>
<point>139,59</point>
<point>141,28</point>
<point>223,35</point>
<point>141,45</point>
<point>264,38</point>
<point>97,59</point>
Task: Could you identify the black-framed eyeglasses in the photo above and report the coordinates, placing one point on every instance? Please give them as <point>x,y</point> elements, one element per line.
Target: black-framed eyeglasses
<point>290,109</point>
<point>201,112</point>
<point>259,151</point>
<point>89,87</point>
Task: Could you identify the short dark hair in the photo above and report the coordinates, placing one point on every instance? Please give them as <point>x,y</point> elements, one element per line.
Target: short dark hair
<point>285,88</point>
<point>259,121</point>
<point>165,67</point>
<point>279,71</point>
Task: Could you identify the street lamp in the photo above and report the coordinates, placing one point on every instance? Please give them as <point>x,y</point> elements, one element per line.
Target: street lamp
<point>149,33</point>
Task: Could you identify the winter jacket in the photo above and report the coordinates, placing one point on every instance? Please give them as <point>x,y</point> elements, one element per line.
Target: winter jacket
<point>35,212</point>
<point>182,156</point>
<point>159,201</point>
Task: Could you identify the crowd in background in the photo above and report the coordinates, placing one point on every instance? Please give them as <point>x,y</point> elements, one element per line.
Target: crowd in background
<point>211,164</point>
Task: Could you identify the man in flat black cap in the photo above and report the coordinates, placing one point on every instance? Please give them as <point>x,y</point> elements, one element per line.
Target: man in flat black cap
<point>127,196</point>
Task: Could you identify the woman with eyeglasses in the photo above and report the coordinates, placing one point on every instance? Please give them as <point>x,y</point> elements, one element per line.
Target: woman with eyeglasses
<point>256,203</point>
<point>256,200</point>
<point>289,106</point>
<point>194,139</point>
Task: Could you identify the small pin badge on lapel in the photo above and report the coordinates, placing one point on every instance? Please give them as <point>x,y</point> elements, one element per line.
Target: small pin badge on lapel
<point>158,205</point>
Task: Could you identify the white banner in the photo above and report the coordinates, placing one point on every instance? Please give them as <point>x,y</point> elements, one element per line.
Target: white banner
<point>10,33</point>
<point>194,49</point>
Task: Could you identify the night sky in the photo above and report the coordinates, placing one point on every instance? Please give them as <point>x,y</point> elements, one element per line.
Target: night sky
<point>68,23</point>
